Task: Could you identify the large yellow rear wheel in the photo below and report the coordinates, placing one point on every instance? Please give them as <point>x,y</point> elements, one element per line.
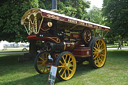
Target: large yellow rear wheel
<point>40,63</point>
<point>66,63</point>
<point>98,52</point>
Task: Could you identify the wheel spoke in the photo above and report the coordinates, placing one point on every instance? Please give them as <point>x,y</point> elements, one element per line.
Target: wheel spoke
<point>95,57</point>
<point>69,59</point>
<point>71,66</point>
<point>41,68</point>
<point>68,72</point>
<point>63,59</point>
<point>60,70</point>
<point>63,72</point>
<point>39,61</point>
<point>95,49</point>
<point>95,52</point>
<point>101,45</point>
<point>44,68</point>
<point>39,65</point>
<point>60,62</point>
<point>41,58</point>
<point>71,70</point>
<point>103,49</point>
<point>102,55</point>
<point>61,66</point>
<point>96,44</point>
<point>95,61</point>
<point>99,59</point>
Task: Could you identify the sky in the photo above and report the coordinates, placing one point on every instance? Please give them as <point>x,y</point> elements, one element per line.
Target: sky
<point>97,3</point>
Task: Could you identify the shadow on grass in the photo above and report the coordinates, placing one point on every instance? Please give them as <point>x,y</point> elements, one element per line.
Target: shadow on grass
<point>38,79</point>
<point>10,64</point>
<point>41,79</point>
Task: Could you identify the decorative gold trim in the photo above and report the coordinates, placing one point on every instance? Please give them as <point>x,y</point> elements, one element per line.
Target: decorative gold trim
<point>67,30</point>
<point>29,12</point>
<point>64,46</point>
<point>55,39</point>
<point>68,34</point>
<point>40,24</point>
<point>26,29</point>
<point>73,27</point>
<point>74,39</point>
<point>32,23</point>
<point>45,30</point>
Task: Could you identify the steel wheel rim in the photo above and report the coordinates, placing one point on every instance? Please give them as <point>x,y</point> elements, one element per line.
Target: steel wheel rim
<point>99,53</point>
<point>67,66</point>
<point>41,66</point>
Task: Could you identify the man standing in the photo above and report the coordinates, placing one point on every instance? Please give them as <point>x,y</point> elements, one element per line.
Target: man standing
<point>119,46</point>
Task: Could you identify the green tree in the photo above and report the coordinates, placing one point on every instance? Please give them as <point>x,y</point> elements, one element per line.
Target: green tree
<point>116,15</point>
<point>10,16</point>
<point>95,15</point>
<point>73,8</point>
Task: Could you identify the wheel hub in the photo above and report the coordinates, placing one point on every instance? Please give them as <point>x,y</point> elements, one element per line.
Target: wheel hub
<point>99,51</point>
<point>67,66</point>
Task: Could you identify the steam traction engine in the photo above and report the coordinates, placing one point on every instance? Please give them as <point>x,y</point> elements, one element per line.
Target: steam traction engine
<point>66,41</point>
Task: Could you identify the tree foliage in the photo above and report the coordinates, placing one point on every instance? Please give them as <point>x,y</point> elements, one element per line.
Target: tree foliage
<point>10,16</point>
<point>95,15</point>
<point>116,13</point>
<point>73,8</point>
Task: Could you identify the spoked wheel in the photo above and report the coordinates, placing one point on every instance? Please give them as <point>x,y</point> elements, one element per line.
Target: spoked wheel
<point>87,36</point>
<point>66,63</point>
<point>98,53</point>
<point>40,63</point>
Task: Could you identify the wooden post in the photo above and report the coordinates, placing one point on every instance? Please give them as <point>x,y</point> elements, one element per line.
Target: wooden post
<point>32,49</point>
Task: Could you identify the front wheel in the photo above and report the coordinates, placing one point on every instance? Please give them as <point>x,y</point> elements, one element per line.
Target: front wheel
<point>40,63</point>
<point>98,52</point>
<point>66,63</point>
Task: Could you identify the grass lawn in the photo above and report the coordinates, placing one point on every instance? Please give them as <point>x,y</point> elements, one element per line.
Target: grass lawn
<point>111,46</point>
<point>115,72</point>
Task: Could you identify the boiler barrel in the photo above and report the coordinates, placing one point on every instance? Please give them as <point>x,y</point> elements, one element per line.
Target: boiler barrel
<point>64,46</point>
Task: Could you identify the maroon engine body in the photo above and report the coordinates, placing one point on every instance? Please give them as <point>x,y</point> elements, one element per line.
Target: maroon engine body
<point>56,45</point>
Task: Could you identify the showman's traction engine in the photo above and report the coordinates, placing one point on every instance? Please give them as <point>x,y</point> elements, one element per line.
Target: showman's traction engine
<point>66,41</point>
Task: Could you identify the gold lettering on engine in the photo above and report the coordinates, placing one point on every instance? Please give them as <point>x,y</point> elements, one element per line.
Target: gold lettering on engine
<point>53,17</point>
<point>72,21</point>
